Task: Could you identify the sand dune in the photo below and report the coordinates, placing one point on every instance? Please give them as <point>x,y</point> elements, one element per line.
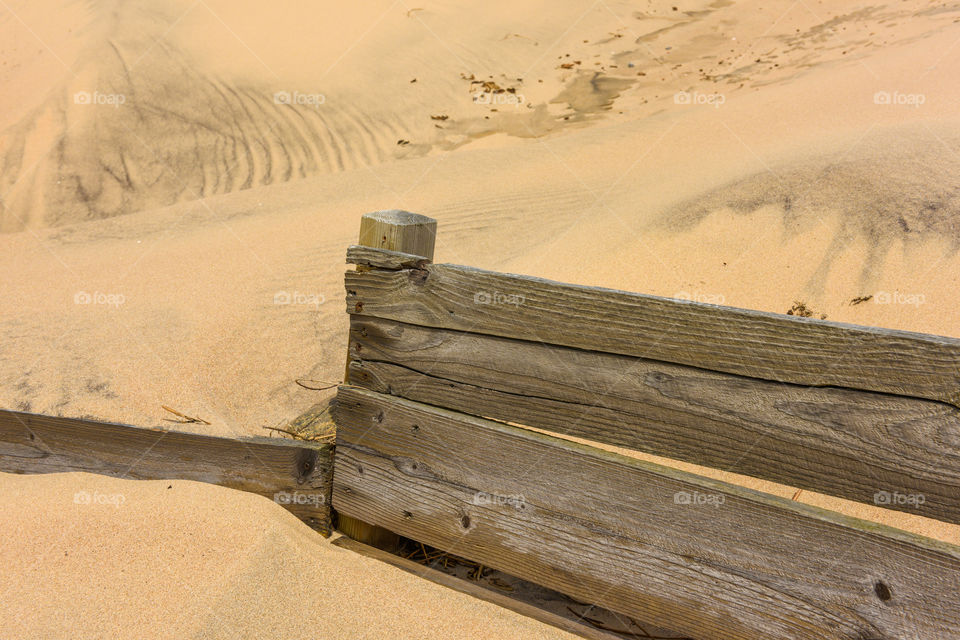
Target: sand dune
<point>179,183</point>
<point>786,192</point>
<point>893,190</point>
<point>157,105</point>
<point>217,564</point>
<point>136,105</point>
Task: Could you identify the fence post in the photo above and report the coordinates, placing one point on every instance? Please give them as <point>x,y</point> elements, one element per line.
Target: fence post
<point>394,230</point>
<point>397,230</point>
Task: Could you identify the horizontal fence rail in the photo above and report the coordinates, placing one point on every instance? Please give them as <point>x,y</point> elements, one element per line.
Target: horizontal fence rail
<point>697,556</point>
<point>452,371</point>
<point>749,343</point>
<point>297,475</point>
<point>871,447</point>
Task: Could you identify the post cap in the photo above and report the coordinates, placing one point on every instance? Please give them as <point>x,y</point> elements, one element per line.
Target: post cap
<point>398,217</point>
<point>398,230</point>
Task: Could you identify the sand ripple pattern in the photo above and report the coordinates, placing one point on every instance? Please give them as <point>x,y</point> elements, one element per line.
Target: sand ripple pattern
<point>178,135</point>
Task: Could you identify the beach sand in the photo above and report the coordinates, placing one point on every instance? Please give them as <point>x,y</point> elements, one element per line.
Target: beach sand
<point>797,187</point>
<point>179,559</point>
<point>179,183</point>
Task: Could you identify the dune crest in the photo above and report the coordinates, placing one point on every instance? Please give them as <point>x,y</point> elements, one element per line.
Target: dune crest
<point>137,106</point>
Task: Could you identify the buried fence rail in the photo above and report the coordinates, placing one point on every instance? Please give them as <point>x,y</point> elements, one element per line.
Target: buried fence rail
<point>295,474</point>
<point>443,357</point>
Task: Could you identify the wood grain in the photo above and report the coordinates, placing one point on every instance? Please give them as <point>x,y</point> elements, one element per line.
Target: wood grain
<point>391,239</point>
<point>298,475</point>
<point>705,558</point>
<point>397,230</point>
<point>899,452</point>
<point>756,344</point>
<point>384,259</point>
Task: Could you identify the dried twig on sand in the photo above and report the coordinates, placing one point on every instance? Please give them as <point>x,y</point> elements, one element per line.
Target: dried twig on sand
<point>316,385</point>
<point>301,436</point>
<point>292,434</point>
<point>314,425</point>
<point>184,419</point>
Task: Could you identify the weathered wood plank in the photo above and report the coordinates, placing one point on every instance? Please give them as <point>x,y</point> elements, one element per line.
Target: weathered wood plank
<point>477,591</point>
<point>297,475</point>
<point>757,344</point>
<point>384,259</point>
<point>704,558</point>
<point>902,453</point>
<point>385,237</point>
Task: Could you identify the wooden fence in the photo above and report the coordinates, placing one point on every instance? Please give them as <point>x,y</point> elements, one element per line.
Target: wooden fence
<point>447,362</point>
<point>295,474</point>
<point>461,382</point>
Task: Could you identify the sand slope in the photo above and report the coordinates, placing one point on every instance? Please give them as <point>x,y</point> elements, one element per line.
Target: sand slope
<point>128,105</point>
<point>137,105</point>
<point>188,560</point>
<point>803,190</point>
<point>185,247</point>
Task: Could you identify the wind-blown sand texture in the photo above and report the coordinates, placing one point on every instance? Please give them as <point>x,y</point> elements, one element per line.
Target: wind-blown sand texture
<point>189,560</point>
<point>797,187</point>
<point>179,182</point>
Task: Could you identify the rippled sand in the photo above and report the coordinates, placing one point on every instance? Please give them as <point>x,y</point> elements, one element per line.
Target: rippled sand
<point>739,154</point>
<point>171,173</point>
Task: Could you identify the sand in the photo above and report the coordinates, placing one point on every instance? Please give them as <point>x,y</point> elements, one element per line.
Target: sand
<point>184,247</point>
<point>798,187</point>
<point>179,559</point>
